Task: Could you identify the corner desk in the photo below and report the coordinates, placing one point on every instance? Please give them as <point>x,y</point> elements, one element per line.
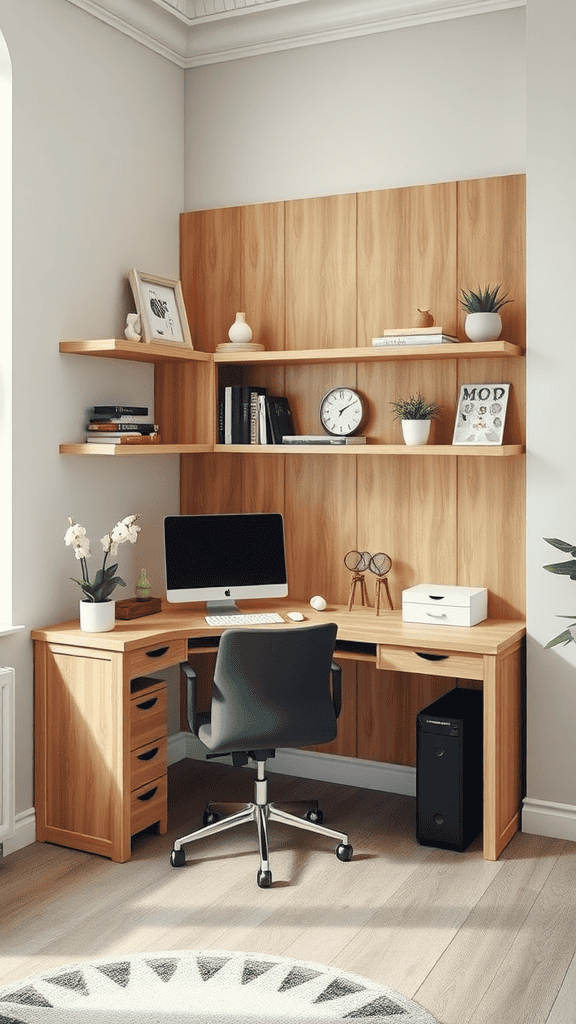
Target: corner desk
<point>100,721</point>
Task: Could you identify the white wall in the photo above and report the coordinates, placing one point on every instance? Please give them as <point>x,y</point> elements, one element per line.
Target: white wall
<point>437,102</point>
<point>551,198</point>
<point>98,187</point>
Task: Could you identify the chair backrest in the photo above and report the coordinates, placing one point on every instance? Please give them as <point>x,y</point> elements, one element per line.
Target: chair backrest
<point>272,689</point>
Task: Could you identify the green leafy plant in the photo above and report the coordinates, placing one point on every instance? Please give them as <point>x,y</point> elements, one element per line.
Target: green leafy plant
<point>105,580</point>
<point>567,568</point>
<point>484,300</point>
<point>415,408</point>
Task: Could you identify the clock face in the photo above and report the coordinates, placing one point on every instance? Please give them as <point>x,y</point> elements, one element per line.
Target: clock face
<point>342,412</point>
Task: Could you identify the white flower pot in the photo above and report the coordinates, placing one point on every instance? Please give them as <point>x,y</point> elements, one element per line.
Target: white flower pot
<point>483,326</point>
<point>415,431</point>
<point>97,616</point>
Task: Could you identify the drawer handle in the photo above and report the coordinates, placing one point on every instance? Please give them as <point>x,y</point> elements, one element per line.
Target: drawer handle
<point>157,653</point>
<point>147,704</point>
<point>148,754</point>
<point>430,657</point>
<point>149,794</point>
<point>442,615</point>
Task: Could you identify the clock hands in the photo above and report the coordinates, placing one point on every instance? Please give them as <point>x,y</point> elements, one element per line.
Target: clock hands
<point>340,411</point>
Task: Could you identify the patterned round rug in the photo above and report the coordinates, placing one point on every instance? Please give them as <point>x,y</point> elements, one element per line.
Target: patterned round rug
<point>203,987</point>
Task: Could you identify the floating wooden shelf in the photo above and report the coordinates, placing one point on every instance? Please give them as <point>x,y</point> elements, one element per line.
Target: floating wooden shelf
<point>373,354</point>
<point>478,451</point>
<point>138,351</point>
<point>134,449</point>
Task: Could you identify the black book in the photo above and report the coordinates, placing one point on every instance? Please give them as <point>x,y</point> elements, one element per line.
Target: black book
<point>121,410</point>
<point>280,419</point>
<point>255,393</point>
<point>236,423</point>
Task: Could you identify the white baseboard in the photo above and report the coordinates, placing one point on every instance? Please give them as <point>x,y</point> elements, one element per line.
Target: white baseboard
<point>545,818</point>
<point>309,764</point>
<point>24,833</point>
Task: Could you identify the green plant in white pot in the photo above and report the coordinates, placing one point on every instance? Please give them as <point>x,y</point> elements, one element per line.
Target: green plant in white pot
<point>97,611</point>
<point>483,321</point>
<point>415,415</point>
<point>567,568</point>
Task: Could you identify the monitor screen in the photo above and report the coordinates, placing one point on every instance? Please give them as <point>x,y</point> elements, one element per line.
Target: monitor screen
<point>222,558</point>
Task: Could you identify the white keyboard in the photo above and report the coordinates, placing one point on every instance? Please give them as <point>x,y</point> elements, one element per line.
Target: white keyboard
<point>244,619</point>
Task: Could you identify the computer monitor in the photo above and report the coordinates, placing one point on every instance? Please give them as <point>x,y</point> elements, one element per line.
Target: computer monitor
<point>223,558</point>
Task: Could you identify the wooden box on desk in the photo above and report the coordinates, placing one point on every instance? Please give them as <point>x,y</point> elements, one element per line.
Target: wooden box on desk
<point>132,608</point>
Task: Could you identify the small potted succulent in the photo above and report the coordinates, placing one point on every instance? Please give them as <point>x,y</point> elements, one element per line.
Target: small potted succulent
<point>415,415</point>
<point>483,321</point>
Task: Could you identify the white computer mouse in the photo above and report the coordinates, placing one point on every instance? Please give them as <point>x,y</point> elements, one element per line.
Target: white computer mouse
<point>296,616</point>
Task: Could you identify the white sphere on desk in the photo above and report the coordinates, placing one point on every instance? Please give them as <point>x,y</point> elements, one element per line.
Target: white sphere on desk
<point>318,603</point>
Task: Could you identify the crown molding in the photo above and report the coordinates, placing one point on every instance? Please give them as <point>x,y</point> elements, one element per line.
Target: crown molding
<point>193,33</point>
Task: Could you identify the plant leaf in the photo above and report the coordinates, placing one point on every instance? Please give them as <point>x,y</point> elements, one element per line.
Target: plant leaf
<point>562,545</point>
<point>562,638</point>
<point>562,568</point>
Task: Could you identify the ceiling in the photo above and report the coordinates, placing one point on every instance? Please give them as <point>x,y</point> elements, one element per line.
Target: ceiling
<point>195,32</point>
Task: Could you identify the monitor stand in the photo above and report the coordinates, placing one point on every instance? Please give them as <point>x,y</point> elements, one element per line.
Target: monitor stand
<point>226,607</point>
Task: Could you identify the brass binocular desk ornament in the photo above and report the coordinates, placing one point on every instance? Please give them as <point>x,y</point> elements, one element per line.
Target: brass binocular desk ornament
<point>379,564</point>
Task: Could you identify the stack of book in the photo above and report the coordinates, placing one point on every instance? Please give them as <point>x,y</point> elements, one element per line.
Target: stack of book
<point>121,424</point>
<point>414,336</point>
<point>248,415</point>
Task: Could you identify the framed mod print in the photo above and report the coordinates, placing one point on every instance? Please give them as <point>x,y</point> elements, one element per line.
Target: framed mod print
<point>160,305</point>
<point>481,414</point>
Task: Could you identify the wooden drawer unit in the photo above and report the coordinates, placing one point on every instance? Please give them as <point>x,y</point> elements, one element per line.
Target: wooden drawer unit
<point>147,763</point>
<point>148,731</point>
<point>148,805</point>
<point>156,657</point>
<point>429,663</point>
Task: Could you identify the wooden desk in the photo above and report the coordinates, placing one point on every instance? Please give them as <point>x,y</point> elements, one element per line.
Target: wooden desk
<point>84,734</point>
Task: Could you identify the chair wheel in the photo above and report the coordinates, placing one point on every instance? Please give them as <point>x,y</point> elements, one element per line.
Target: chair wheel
<point>210,818</point>
<point>344,851</point>
<point>177,858</point>
<point>315,816</point>
<point>264,879</point>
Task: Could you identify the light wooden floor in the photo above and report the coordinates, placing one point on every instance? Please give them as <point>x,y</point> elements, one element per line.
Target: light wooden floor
<point>472,941</point>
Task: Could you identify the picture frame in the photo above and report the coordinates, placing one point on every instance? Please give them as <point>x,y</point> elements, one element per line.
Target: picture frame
<point>481,414</point>
<point>160,306</point>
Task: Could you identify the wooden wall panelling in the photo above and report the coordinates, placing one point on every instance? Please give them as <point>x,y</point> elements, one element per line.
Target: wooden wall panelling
<point>491,499</point>
<point>210,483</point>
<point>185,402</point>
<point>387,701</point>
<point>262,272</point>
<point>321,272</point>
<point>406,258</point>
<point>383,383</point>
<point>210,273</point>
<point>407,508</point>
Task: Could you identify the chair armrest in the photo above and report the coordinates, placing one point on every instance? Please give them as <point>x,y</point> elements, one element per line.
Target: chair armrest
<point>336,687</point>
<point>191,696</point>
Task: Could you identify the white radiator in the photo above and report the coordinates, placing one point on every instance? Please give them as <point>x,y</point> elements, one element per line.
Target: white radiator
<point>6,753</point>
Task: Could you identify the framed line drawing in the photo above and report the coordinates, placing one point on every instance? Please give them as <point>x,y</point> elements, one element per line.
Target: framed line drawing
<point>481,414</point>
<point>160,305</point>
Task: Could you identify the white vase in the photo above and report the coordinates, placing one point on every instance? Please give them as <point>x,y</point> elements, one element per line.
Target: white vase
<point>240,331</point>
<point>97,616</point>
<point>483,326</point>
<point>415,431</point>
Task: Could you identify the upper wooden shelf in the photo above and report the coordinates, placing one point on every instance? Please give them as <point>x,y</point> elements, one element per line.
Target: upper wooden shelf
<point>121,348</point>
<point>371,353</point>
<point>491,451</point>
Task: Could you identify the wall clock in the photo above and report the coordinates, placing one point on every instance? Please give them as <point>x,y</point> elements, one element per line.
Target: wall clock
<point>342,412</point>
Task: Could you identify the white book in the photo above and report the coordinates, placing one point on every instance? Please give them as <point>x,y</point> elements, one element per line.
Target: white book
<point>263,432</point>
<point>228,415</point>
<point>413,339</point>
<point>321,439</point>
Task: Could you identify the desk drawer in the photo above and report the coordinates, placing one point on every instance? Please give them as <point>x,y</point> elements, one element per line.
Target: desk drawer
<point>156,657</point>
<point>147,763</point>
<point>148,804</point>
<point>148,718</point>
<point>430,663</point>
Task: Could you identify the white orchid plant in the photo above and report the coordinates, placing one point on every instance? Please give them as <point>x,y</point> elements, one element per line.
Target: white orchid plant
<point>105,579</point>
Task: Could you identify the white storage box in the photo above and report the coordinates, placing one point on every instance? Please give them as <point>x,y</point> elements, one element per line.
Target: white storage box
<point>445,606</point>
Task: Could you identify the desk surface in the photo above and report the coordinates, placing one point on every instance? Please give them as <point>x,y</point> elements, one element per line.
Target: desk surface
<point>492,637</point>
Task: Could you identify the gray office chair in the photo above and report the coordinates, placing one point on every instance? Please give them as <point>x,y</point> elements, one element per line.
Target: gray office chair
<point>271,689</point>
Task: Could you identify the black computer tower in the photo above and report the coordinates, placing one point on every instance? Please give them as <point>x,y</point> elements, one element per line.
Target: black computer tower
<point>449,776</point>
